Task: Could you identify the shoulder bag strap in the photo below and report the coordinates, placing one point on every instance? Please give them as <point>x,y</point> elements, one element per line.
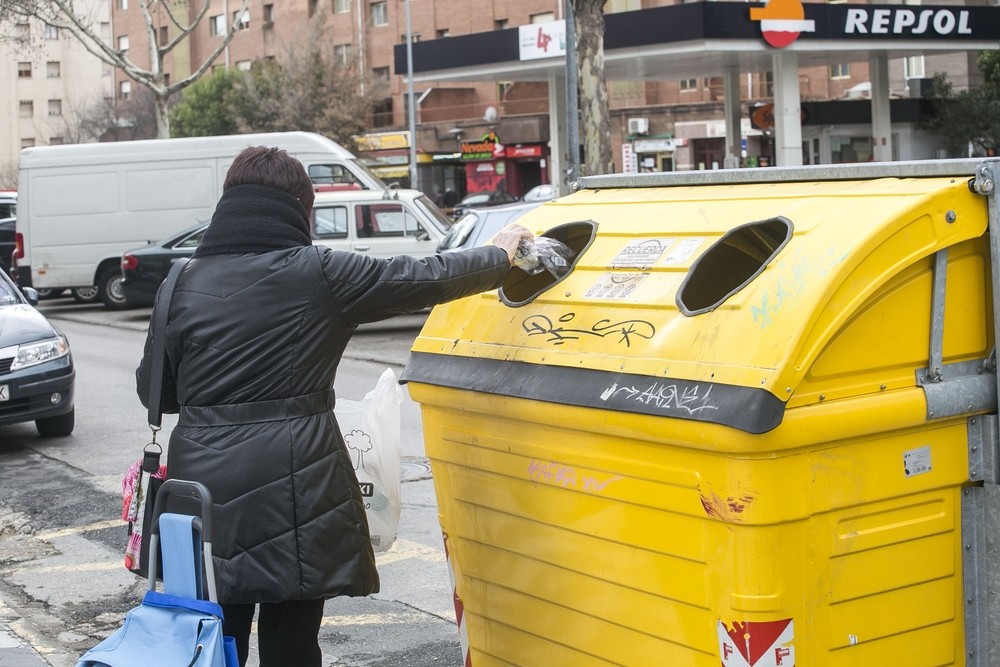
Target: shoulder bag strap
<point>161,313</point>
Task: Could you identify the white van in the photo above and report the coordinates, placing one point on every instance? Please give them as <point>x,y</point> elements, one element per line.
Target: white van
<point>80,206</point>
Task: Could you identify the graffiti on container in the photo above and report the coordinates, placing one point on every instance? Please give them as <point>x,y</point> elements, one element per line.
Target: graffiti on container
<point>801,269</point>
<point>664,395</point>
<point>567,477</point>
<point>558,333</point>
<point>725,509</point>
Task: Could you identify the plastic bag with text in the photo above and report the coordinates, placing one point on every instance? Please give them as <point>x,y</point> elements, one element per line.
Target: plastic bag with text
<point>372,433</point>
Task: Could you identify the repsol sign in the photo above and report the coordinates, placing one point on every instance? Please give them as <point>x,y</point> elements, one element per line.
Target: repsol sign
<point>900,21</point>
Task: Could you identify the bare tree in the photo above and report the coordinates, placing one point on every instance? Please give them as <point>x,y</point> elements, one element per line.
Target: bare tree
<point>595,113</point>
<point>85,27</point>
<point>89,120</point>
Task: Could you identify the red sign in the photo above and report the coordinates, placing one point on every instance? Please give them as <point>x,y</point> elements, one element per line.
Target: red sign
<point>533,150</point>
<point>487,148</point>
<point>781,21</point>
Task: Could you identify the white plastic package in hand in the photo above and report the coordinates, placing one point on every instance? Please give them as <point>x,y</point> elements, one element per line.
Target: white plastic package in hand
<point>543,254</point>
<point>372,432</point>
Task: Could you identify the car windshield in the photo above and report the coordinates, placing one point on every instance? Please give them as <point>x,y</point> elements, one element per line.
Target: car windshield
<point>458,233</point>
<point>472,200</point>
<point>8,294</point>
<point>437,216</point>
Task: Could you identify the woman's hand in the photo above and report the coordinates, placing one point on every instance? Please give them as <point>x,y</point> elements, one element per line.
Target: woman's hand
<point>510,237</point>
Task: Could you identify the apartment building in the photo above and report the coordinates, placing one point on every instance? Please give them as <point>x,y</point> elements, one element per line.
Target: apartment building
<point>51,85</point>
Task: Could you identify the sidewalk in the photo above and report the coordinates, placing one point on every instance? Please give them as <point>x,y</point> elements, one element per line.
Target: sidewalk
<point>14,652</point>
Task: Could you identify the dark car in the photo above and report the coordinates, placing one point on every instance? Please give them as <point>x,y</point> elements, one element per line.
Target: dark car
<point>36,368</point>
<point>145,268</point>
<point>482,200</point>
<point>478,225</point>
<point>7,235</point>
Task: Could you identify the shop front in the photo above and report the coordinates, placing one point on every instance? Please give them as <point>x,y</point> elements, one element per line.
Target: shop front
<point>492,165</point>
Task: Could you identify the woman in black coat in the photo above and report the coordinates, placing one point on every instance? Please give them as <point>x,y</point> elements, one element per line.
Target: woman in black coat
<point>258,323</point>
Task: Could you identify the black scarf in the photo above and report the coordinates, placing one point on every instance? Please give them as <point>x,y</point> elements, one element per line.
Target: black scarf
<point>253,219</point>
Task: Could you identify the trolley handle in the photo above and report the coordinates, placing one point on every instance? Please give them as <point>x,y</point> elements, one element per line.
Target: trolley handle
<point>183,488</point>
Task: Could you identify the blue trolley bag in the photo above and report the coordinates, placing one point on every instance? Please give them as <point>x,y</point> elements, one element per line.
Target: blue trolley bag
<point>182,625</point>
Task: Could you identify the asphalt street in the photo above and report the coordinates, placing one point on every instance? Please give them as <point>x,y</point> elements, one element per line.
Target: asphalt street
<point>411,622</point>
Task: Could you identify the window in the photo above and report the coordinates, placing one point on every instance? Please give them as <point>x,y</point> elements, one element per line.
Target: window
<point>380,73</point>
<point>443,32</point>
<point>382,113</point>
<point>125,90</point>
<point>544,17</point>
<point>386,220</point>
<point>244,65</point>
<point>342,54</point>
<point>268,16</point>
<point>500,24</point>
<point>55,107</point>
<point>242,22</point>
<point>164,36</point>
<point>414,35</point>
<point>689,84</point>
<point>27,143</point>
<point>341,6</point>
<point>380,13</point>
<point>24,70</point>
<point>123,43</point>
<point>768,84</point>
<point>913,67</point>
<point>330,223</point>
<point>105,31</point>
<point>331,174</point>
<point>56,141</point>
<point>22,32</point>
<point>840,71</point>
<point>123,4</point>
<point>313,7</point>
<point>217,25</point>
<point>26,109</point>
<point>53,70</point>
<point>51,32</point>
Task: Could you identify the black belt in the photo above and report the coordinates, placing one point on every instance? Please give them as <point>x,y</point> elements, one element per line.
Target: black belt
<point>258,411</point>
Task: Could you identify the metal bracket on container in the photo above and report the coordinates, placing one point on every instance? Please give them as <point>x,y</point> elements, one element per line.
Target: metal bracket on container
<point>980,508</point>
<point>960,388</point>
<point>934,371</point>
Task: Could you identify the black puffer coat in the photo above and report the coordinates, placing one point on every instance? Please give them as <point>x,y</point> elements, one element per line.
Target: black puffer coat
<point>253,342</point>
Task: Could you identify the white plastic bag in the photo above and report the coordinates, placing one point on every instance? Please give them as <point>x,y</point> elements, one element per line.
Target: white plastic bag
<point>372,433</point>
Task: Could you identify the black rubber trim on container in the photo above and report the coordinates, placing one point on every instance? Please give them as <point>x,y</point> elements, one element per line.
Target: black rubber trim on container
<point>748,409</point>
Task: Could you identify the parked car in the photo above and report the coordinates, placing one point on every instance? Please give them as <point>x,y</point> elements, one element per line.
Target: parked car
<point>482,200</point>
<point>479,225</point>
<point>7,235</point>
<point>380,224</point>
<point>36,368</point>
<point>8,203</point>
<point>543,192</point>
<point>143,269</point>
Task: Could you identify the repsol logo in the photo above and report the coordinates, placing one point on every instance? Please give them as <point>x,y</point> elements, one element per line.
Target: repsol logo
<point>907,22</point>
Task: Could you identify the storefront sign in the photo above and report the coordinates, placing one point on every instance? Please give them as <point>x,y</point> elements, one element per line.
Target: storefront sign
<point>658,145</point>
<point>782,21</point>
<point>487,148</point>
<point>907,22</point>
<point>382,141</point>
<point>532,150</point>
<point>542,40</point>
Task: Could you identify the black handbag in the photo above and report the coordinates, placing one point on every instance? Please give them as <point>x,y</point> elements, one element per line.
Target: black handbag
<point>144,477</point>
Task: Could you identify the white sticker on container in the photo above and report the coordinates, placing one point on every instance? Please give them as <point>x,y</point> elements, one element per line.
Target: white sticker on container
<point>641,254</point>
<point>917,461</point>
<point>615,285</point>
<point>683,251</point>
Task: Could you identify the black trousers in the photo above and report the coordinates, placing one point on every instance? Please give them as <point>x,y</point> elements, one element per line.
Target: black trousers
<point>287,632</point>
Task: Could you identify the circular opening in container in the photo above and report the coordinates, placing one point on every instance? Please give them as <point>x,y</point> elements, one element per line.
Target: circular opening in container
<point>731,263</point>
<point>520,287</point>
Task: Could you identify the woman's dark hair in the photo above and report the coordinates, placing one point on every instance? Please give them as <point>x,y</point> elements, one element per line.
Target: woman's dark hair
<point>273,167</point>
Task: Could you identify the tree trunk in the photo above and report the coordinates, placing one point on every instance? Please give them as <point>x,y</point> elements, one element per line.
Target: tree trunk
<point>162,115</point>
<point>595,115</point>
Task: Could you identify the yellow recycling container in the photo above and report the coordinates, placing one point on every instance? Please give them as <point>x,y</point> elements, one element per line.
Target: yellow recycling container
<point>754,425</point>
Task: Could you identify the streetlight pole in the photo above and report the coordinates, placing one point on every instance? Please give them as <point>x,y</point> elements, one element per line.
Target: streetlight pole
<point>409,92</point>
<point>572,99</point>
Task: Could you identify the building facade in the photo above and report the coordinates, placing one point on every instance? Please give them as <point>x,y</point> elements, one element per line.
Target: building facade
<point>54,91</point>
<point>496,132</point>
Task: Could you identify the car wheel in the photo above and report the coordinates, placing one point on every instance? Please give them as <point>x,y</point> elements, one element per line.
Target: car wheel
<point>109,287</point>
<point>49,293</point>
<point>86,294</point>
<point>54,427</point>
